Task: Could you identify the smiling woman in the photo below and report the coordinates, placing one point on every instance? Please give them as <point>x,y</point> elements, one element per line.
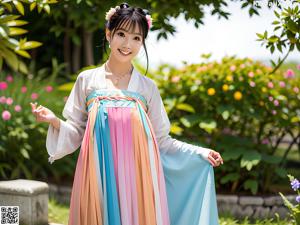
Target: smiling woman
<point>130,171</point>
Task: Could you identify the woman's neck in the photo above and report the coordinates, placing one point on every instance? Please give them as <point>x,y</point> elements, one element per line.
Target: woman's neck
<point>117,67</point>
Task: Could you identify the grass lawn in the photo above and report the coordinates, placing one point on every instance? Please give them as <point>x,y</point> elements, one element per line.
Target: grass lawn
<point>59,214</point>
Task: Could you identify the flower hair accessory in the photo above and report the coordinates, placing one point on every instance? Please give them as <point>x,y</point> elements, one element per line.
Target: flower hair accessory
<point>149,21</point>
<point>111,12</point>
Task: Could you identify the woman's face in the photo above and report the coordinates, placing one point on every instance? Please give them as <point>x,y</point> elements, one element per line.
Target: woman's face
<point>125,45</point>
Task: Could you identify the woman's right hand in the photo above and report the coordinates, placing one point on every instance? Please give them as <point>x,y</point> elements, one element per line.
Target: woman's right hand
<point>42,114</point>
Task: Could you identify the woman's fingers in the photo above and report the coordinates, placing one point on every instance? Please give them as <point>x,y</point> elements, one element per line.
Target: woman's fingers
<point>212,161</point>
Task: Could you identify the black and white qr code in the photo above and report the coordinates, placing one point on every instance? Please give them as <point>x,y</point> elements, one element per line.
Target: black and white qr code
<point>9,215</point>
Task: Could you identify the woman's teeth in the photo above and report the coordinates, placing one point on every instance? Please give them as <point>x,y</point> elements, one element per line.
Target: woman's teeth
<point>124,53</point>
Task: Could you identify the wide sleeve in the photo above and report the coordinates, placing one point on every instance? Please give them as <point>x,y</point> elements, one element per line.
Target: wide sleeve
<point>161,127</point>
<point>69,137</point>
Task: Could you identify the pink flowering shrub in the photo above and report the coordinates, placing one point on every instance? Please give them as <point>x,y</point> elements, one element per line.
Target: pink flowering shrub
<point>238,108</point>
<point>22,139</point>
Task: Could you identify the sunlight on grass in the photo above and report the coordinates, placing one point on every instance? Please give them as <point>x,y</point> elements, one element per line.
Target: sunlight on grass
<point>57,213</point>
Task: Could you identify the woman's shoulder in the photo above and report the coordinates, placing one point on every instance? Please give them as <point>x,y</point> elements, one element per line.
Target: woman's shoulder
<point>86,74</point>
<point>146,82</point>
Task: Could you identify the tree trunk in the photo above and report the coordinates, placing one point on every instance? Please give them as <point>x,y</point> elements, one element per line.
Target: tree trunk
<point>76,58</point>
<point>88,47</point>
<point>67,48</point>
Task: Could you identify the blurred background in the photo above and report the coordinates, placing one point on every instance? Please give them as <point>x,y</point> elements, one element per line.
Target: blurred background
<point>228,72</point>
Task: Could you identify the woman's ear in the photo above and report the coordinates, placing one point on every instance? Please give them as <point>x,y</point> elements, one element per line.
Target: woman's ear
<point>107,34</point>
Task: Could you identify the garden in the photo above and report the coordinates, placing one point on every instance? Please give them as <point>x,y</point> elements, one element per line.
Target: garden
<point>246,109</point>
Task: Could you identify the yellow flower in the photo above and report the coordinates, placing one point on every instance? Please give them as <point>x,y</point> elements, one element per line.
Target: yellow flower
<point>229,78</point>
<point>237,95</point>
<point>264,89</point>
<point>225,87</point>
<point>261,103</point>
<point>211,91</point>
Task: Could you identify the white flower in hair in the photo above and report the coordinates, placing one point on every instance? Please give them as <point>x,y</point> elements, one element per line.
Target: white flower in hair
<point>111,12</point>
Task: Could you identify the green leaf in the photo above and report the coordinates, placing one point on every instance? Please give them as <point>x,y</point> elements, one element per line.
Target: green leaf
<point>281,172</point>
<point>23,53</point>
<point>13,31</point>
<point>232,153</point>
<point>19,6</point>
<point>30,44</point>
<point>32,6</point>
<point>251,185</point>
<point>14,23</point>
<point>277,14</point>
<point>10,58</point>
<point>47,8</point>
<point>250,159</point>
<point>190,120</point>
<point>286,202</point>
<point>23,67</point>
<point>208,125</point>
<point>25,154</point>
<point>185,107</point>
<point>175,129</point>
<point>230,177</point>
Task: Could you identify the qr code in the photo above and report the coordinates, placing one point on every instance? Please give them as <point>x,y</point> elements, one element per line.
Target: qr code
<point>9,215</point>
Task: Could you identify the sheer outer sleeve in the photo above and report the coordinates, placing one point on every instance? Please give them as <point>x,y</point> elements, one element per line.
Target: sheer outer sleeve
<point>69,137</point>
<point>161,126</point>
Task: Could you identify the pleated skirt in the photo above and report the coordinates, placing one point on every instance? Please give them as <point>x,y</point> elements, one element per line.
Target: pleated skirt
<point>122,179</point>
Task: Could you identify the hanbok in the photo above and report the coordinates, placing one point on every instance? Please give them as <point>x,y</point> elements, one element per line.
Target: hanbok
<point>129,170</point>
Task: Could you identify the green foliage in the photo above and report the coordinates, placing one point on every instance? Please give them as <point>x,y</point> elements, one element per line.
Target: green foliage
<point>22,139</point>
<point>236,107</point>
<point>293,209</point>
<point>10,24</point>
<point>287,23</point>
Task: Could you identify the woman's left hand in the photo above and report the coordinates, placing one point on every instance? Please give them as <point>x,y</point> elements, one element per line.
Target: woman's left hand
<point>215,158</point>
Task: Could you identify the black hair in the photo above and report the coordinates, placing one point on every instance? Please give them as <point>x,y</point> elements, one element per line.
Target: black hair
<point>132,16</point>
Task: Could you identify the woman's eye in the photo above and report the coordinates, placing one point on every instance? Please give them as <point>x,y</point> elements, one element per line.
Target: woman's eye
<point>121,34</point>
<point>137,38</point>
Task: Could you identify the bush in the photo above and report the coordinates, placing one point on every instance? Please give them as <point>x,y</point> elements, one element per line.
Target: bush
<point>22,139</point>
<point>238,108</point>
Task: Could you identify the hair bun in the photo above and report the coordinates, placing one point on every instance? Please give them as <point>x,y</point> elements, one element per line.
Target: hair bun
<point>146,12</point>
<point>124,5</point>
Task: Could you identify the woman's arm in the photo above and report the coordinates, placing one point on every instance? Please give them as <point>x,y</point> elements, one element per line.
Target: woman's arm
<point>166,143</point>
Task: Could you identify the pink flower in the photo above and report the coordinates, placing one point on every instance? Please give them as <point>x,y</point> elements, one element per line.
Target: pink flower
<point>274,112</point>
<point>2,99</point>
<point>9,78</point>
<point>6,115</point>
<point>175,79</point>
<point>242,66</point>
<point>149,21</point>
<point>251,74</point>
<point>289,73</point>
<point>270,85</point>
<point>23,89</point>
<point>298,66</point>
<point>49,88</point>
<point>9,101</point>
<point>232,68</point>
<point>252,84</point>
<point>282,84</point>
<point>241,78</point>
<point>265,141</point>
<point>296,89</point>
<point>276,102</point>
<point>34,96</point>
<point>3,85</point>
<point>270,98</point>
<point>18,108</point>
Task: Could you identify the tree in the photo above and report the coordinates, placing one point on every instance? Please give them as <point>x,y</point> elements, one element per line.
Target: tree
<point>10,47</point>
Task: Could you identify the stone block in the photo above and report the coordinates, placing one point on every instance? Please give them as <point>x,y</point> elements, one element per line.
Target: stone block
<point>31,197</point>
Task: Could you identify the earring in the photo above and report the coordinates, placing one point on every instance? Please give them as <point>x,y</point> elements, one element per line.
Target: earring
<point>109,44</point>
